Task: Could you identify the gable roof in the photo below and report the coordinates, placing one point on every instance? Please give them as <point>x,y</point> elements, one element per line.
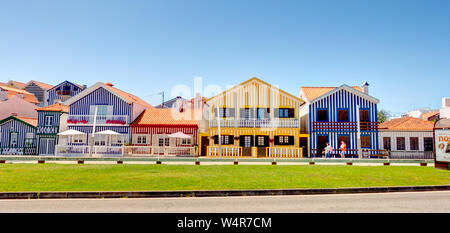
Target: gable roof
<point>18,84</point>
<point>79,86</point>
<point>33,122</point>
<point>255,79</point>
<point>41,84</point>
<point>58,107</point>
<point>14,91</point>
<point>407,124</point>
<point>166,116</point>
<point>430,115</point>
<point>125,96</point>
<point>316,93</point>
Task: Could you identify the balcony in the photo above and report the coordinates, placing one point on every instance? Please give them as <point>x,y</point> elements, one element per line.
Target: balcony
<point>344,126</point>
<point>256,123</point>
<point>105,120</point>
<point>47,129</point>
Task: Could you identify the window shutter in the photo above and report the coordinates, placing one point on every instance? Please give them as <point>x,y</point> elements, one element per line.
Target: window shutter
<point>291,112</point>
<point>242,141</point>
<point>266,141</point>
<point>216,139</point>
<point>276,112</point>
<point>231,139</point>
<point>291,140</point>
<point>276,140</point>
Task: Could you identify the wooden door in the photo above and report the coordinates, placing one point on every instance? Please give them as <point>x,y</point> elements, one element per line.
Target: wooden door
<point>205,144</point>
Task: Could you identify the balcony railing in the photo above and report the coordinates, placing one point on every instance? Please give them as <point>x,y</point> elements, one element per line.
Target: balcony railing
<point>365,126</point>
<point>256,123</point>
<point>101,120</point>
<point>48,129</point>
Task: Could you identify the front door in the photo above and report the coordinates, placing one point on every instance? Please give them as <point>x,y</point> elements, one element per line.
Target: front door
<point>262,142</point>
<point>205,144</point>
<point>304,144</point>
<point>47,146</point>
<point>246,142</point>
<point>321,144</point>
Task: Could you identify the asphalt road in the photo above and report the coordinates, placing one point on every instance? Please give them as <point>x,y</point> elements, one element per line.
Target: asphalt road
<point>376,202</point>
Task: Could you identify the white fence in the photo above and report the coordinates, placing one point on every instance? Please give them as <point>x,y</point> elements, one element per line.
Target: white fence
<point>158,151</point>
<point>84,150</point>
<point>284,152</point>
<point>230,151</point>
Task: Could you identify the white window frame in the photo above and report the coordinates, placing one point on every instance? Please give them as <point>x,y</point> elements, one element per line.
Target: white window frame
<point>46,120</point>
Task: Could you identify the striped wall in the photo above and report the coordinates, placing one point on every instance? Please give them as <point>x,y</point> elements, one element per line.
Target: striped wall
<point>101,96</point>
<point>254,93</point>
<point>42,114</point>
<point>342,99</point>
<point>14,125</point>
<point>153,130</point>
<point>52,93</point>
<point>38,92</point>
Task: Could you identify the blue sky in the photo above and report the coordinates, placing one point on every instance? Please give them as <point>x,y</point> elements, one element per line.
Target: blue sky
<point>402,48</point>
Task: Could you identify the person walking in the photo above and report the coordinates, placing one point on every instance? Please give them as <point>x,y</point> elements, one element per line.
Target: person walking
<point>343,148</point>
<point>328,149</point>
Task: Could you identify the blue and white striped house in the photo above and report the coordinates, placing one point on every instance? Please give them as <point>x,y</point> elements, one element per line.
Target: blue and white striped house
<point>63,92</point>
<point>114,110</point>
<point>51,120</point>
<point>331,115</point>
<point>18,136</point>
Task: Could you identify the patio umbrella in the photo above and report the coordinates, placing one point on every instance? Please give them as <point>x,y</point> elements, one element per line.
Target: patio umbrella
<point>110,133</point>
<point>179,135</point>
<point>70,132</point>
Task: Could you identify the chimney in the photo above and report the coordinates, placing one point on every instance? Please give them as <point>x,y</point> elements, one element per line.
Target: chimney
<point>14,114</point>
<point>109,84</point>
<point>365,88</point>
<point>3,95</point>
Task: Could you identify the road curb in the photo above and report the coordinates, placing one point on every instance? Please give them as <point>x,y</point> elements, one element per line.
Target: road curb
<point>217,193</point>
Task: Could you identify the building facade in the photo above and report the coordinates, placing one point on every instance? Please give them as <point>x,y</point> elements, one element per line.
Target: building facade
<point>51,120</point>
<point>407,138</point>
<point>18,136</point>
<point>331,115</point>
<point>254,119</point>
<point>103,107</point>
<point>63,92</point>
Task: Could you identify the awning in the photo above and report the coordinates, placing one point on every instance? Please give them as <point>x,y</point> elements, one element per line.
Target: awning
<point>108,132</point>
<point>179,135</point>
<point>71,132</point>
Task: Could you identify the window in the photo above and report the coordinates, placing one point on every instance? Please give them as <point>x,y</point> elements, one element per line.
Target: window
<point>186,141</point>
<point>163,141</point>
<point>13,139</point>
<point>387,143</point>
<point>414,143</point>
<point>48,121</point>
<point>29,139</point>
<point>224,139</point>
<point>141,139</point>
<point>284,140</point>
<point>100,140</point>
<point>226,112</point>
<point>262,113</point>
<point>364,115</point>
<point>247,141</point>
<point>286,113</point>
<point>246,113</point>
<point>343,115</point>
<point>322,115</point>
<point>78,138</point>
<point>365,142</point>
<point>428,144</point>
<point>401,143</point>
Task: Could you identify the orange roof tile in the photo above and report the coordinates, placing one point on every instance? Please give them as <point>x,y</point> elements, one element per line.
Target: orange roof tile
<point>407,124</point>
<point>16,83</point>
<point>14,91</point>
<point>41,84</point>
<point>314,92</point>
<point>58,107</point>
<point>31,121</point>
<point>165,116</point>
<point>128,96</point>
<point>426,116</point>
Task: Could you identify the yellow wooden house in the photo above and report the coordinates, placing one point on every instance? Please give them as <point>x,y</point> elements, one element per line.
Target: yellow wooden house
<point>254,119</point>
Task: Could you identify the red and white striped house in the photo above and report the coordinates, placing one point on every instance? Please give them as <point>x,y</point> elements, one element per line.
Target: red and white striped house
<point>154,127</point>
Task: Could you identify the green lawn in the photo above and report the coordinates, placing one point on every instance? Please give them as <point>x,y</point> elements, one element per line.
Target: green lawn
<point>87,177</point>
